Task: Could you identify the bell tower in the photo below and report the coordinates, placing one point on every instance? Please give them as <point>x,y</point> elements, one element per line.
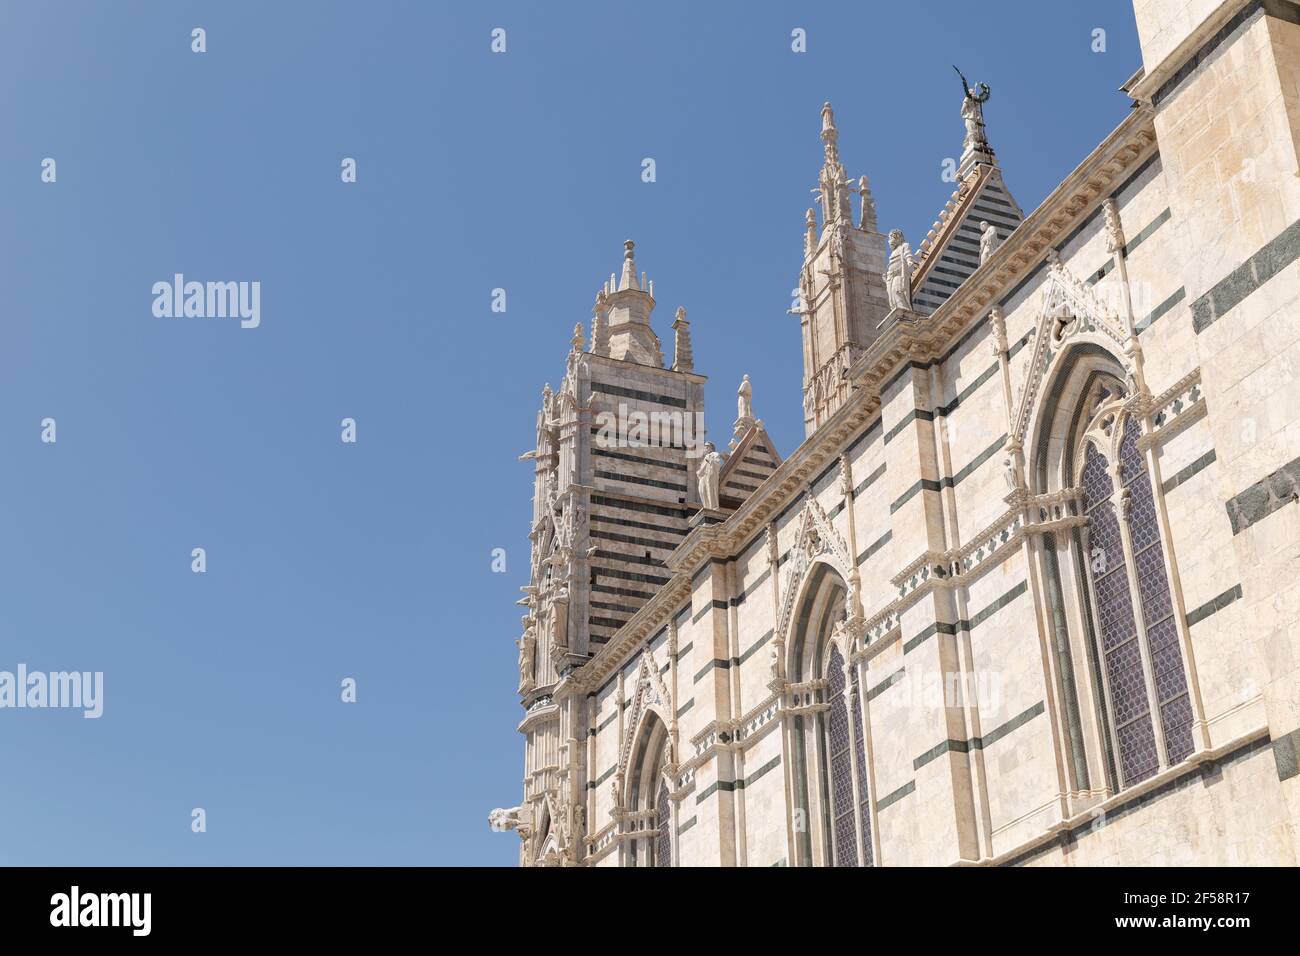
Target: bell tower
<point>842,297</point>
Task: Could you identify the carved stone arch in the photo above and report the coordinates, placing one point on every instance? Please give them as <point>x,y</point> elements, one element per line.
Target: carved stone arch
<point>818,621</point>
<point>1071,315</point>
<point>547,841</point>
<point>646,790</point>
<point>650,696</point>
<point>817,541</point>
<point>1084,371</point>
<point>652,730</point>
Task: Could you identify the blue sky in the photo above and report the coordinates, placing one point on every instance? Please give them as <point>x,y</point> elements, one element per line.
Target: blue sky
<point>373,560</point>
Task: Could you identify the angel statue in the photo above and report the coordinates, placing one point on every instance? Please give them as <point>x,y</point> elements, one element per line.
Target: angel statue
<point>972,113</point>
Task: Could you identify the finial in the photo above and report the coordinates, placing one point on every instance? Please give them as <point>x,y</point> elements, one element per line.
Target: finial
<point>868,221</point>
<point>628,279</point>
<point>600,326</point>
<point>810,234</point>
<point>577,337</point>
<point>683,360</point>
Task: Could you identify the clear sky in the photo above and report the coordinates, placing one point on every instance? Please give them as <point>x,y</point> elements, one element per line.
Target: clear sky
<point>372,560</point>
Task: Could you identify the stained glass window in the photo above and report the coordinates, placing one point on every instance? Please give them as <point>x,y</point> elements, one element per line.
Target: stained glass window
<point>1119,610</point>
<point>1130,707</point>
<point>863,803</point>
<point>1157,608</point>
<point>663,821</point>
<point>838,742</point>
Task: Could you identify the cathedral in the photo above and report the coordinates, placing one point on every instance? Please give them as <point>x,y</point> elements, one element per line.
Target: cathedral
<point>1028,593</point>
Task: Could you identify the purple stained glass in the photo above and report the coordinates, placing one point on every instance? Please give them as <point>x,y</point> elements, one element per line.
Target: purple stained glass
<point>1128,689</point>
<point>1131,465</point>
<point>1153,586</point>
<point>1143,528</point>
<point>1097,486</point>
<point>1137,751</point>
<point>1157,608</point>
<point>1114,604</point>
<point>1177,718</point>
<point>663,822</point>
<point>1129,700</point>
<point>864,806</point>
<point>840,764</point>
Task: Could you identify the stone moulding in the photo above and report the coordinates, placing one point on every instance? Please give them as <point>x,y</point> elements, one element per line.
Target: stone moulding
<point>1069,310</point>
<point>816,539</point>
<point>600,843</point>
<point>650,696</point>
<point>1180,405</point>
<point>1117,801</point>
<point>730,735</point>
<point>540,713</point>
<point>958,567</point>
<point>1144,84</point>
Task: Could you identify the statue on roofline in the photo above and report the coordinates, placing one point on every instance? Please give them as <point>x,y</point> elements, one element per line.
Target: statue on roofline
<point>972,113</point>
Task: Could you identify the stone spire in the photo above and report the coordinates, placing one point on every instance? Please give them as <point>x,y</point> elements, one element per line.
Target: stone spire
<point>868,221</point>
<point>628,279</point>
<point>842,298</point>
<point>832,183</point>
<point>683,360</point>
<point>630,302</point>
<point>600,324</point>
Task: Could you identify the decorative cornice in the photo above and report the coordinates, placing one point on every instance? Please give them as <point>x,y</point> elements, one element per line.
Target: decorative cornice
<point>958,567</point>
<point>1143,88</point>
<point>1178,406</point>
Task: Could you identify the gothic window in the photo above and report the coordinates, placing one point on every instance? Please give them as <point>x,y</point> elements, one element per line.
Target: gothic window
<point>1149,703</point>
<point>1144,708</point>
<point>860,751</point>
<point>841,771</point>
<point>663,822</point>
<point>649,799</point>
<point>832,786</point>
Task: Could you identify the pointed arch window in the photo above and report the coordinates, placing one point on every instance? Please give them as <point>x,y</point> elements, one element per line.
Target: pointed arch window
<point>832,785</point>
<point>1147,713</point>
<point>850,818</point>
<point>663,848</point>
<point>650,801</point>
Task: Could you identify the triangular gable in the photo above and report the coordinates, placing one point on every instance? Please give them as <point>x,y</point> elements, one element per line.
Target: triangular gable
<point>650,693</point>
<point>817,537</point>
<point>1070,313</point>
<point>750,463</point>
<point>951,251</point>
